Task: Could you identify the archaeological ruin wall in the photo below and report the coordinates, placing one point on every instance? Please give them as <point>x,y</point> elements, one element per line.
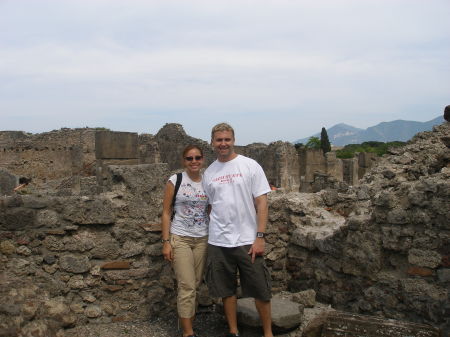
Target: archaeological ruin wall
<point>50,155</point>
<point>379,248</point>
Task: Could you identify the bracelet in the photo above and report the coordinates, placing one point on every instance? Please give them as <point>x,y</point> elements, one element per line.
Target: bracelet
<point>165,240</point>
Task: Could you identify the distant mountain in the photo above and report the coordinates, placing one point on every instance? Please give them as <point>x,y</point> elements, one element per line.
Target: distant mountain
<point>399,130</point>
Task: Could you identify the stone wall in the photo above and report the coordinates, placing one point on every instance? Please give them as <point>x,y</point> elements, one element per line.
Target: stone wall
<point>76,153</point>
<point>50,155</point>
<point>387,250</point>
<point>70,260</point>
<point>380,248</point>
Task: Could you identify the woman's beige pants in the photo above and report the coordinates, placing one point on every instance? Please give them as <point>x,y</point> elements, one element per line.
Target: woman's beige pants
<point>189,257</point>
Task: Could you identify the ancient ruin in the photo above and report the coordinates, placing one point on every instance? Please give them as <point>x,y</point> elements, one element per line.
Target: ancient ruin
<point>80,243</point>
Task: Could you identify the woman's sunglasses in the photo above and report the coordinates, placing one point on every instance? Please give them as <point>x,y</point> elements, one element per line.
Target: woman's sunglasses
<point>197,158</point>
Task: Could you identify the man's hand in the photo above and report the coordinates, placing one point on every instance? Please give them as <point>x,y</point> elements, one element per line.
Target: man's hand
<point>257,248</point>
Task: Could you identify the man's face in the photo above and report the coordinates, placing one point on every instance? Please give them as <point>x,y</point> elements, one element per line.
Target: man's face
<point>223,144</point>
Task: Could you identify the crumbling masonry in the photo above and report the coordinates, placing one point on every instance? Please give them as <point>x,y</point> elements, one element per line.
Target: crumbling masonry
<point>76,250</point>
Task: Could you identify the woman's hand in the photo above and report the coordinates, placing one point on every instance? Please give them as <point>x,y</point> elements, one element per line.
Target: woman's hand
<point>167,251</point>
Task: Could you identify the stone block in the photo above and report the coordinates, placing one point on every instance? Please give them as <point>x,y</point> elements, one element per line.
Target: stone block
<point>307,298</point>
<point>444,275</point>
<point>286,314</point>
<point>116,145</point>
<point>424,258</point>
<point>348,324</point>
<point>74,264</point>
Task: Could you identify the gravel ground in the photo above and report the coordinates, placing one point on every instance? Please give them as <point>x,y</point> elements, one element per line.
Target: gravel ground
<point>207,324</point>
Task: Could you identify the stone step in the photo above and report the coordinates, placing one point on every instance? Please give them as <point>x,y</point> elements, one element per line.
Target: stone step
<point>344,324</point>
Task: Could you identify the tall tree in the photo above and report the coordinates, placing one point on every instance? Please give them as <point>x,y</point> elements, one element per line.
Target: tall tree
<point>324,141</point>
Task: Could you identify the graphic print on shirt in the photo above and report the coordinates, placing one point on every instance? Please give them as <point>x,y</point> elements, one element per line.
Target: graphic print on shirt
<point>227,179</point>
<point>193,207</point>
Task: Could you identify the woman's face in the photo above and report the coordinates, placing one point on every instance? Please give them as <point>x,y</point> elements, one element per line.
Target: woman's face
<point>193,160</point>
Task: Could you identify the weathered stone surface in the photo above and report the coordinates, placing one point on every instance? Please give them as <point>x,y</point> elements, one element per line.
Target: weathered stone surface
<point>346,324</point>
<point>17,218</point>
<point>23,250</point>
<point>7,247</point>
<point>131,248</point>
<point>8,182</point>
<point>93,311</point>
<point>36,328</point>
<point>74,264</point>
<point>47,218</point>
<point>76,282</point>
<point>424,258</point>
<point>285,313</point>
<point>306,298</point>
<point>106,247</point>
<point>57,310</point>
<point>89,211</point>
<point>421,289</point>
<point>444,275</point>
<point>114,275</point>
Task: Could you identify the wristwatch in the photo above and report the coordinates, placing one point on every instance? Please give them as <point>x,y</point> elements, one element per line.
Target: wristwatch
<point>165,240</point>
<point>260,234</point>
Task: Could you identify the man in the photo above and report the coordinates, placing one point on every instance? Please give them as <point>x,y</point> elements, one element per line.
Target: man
<point>237,190</point>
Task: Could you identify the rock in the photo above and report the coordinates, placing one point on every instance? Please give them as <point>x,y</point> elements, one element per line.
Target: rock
<point>131,248</point>
<point>88,297</point>
<point>74,264</point>
<point>17,218</point>
<point>58,311</point>
<point>89,211</point>
<point>424,258</point>
<point>444,275</point>
<point>47,218</point>
<point>49,259</point>
<point>23,250</point>
<point>307,298</point>
<point>36,328</point>
<point>76,282</point>
<point>93,311</point>
<point>286,314</point>
<point>7,247</point>
<point>106,247</point>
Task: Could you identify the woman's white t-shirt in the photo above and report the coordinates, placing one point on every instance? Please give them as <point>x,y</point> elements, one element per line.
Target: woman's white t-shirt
<point>191,205</point>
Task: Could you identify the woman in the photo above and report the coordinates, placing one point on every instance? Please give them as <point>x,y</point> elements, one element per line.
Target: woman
<point>184,237</point>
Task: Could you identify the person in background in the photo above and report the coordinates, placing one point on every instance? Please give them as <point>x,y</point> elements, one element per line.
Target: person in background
<point>184,234</point>
<point>237,189</point>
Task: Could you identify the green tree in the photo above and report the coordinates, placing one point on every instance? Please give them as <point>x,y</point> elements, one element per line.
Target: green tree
<point>313,143</point>
<point>324,141</point>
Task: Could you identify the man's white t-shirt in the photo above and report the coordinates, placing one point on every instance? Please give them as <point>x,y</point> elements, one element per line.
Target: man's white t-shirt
<point>231,188</point>
<point>191,204</point>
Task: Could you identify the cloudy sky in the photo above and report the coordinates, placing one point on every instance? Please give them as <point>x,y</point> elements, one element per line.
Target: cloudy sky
<point>275,70</point>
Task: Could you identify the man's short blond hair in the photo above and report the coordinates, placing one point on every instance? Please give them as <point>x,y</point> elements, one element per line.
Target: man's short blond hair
<point>221,127</point>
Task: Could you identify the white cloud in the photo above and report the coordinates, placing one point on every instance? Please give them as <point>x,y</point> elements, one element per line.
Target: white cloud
<point>279,65</point>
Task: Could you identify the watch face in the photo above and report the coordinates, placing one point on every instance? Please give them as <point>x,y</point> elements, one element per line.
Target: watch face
<point>259,235</point>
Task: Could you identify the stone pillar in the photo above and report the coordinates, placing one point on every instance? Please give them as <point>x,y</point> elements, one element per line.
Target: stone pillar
<point>334,166</point>
<point>114,148</point>
<point>351,171</point>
